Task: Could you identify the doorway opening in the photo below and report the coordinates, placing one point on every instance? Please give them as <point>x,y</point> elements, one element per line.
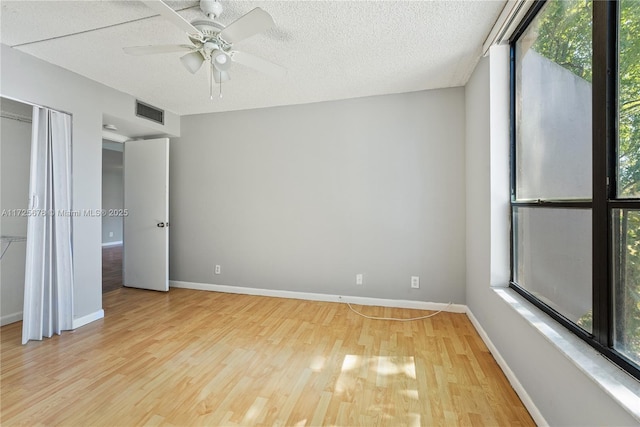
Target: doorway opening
<point>15,155</point>
<point>135,210</point>
<point>112,225</point>
<point>37,219</point>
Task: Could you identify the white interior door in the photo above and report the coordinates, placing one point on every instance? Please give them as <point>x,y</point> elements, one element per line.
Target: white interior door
<point>146,200</point>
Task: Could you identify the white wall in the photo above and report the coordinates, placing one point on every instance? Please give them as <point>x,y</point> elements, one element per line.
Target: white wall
<point>112,194</point>
<point>303,198</point>
<point>32,80</point>
<point>563,394</point>
<point>15,152</point>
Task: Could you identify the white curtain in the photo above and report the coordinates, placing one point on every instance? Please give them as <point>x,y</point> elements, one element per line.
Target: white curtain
<point>48,291</point>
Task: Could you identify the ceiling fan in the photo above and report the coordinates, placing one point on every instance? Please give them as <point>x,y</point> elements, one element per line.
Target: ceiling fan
<point>212,42</point>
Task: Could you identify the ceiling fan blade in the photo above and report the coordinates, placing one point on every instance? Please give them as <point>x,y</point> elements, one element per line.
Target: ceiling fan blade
<point>171,15</point>
<point>247,25</point>
<point>152,50</point>
<point>259,64</point>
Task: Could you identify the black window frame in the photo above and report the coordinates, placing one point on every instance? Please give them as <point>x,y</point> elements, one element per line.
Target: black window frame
<point>604,179</point>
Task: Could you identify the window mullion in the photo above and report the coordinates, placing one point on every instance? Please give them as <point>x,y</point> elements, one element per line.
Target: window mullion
<point>604,137</point>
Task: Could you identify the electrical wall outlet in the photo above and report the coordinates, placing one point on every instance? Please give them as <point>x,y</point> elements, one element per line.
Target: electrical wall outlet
<point>111,234</point>
<point>359,279</point>
<point>415,282</point>
<point>217,269</point>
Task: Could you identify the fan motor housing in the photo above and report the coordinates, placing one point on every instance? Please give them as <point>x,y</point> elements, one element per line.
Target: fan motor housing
<point>208,27</point>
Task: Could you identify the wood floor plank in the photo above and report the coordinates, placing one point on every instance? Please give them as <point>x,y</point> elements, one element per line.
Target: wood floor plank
<point>204,358</point>
<point>111,268</point>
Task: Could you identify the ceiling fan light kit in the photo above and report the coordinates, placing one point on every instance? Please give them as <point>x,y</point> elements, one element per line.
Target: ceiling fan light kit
<point>220,60</point>
<point>221,76</point>
<point>213,42</point>
<point>192,61</point>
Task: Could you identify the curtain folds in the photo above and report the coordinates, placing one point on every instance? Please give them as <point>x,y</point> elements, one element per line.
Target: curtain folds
<point>48,292</point>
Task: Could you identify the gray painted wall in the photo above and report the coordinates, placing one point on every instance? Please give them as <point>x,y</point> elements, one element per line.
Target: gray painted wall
<point>112,194</point>
<point>15,152</point>
<point>32,80</point>
<point>563,394</point>
<point>303,198</point>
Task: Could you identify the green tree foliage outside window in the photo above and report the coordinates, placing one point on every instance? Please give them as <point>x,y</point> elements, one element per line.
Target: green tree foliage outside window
<point>629,104</point>
<point>565,37</point>
<point>628,326</point>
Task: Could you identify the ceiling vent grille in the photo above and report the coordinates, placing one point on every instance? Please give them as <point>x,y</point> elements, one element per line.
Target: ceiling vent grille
<point>148,112</point>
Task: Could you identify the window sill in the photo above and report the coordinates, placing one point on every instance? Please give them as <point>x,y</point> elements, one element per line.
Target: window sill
<point>622,387</point>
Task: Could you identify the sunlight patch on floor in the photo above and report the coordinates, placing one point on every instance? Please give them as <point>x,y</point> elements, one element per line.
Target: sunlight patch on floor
<point>317,364</point>
<point>385,370</point>
<point>350,362</point>
<point>396,365</point>
<point>411,394</point>
<point>254,411</point>
<point>414,419</point>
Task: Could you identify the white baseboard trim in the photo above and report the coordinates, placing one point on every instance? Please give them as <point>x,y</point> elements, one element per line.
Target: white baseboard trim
<point>380,302</point>
<point>91,317</point>
<point>513,380</point>
<point>11,318</point>
<point>109,244</point>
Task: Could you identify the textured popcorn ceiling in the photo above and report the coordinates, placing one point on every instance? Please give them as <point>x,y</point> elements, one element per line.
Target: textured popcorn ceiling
<point>331,49</point>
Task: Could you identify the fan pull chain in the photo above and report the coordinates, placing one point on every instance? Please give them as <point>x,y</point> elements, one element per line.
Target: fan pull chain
<point>220,74</point>
<point>211,81</point>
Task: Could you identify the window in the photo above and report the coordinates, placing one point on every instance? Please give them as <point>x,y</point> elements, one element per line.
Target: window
<point>576,169</point>
<point>626,236</point>
<point>628,158</point>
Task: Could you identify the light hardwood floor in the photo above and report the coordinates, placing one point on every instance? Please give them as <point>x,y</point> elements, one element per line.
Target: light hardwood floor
<point>111,268</point>
<point>204,358</point>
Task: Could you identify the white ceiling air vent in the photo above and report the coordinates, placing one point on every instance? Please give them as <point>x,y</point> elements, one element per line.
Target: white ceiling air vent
<point>149,112</point>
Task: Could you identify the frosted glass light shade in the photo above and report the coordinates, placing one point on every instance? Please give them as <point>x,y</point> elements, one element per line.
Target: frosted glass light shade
<point>220,76</point>
<point>192,61</point>
<point>220,60</point>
